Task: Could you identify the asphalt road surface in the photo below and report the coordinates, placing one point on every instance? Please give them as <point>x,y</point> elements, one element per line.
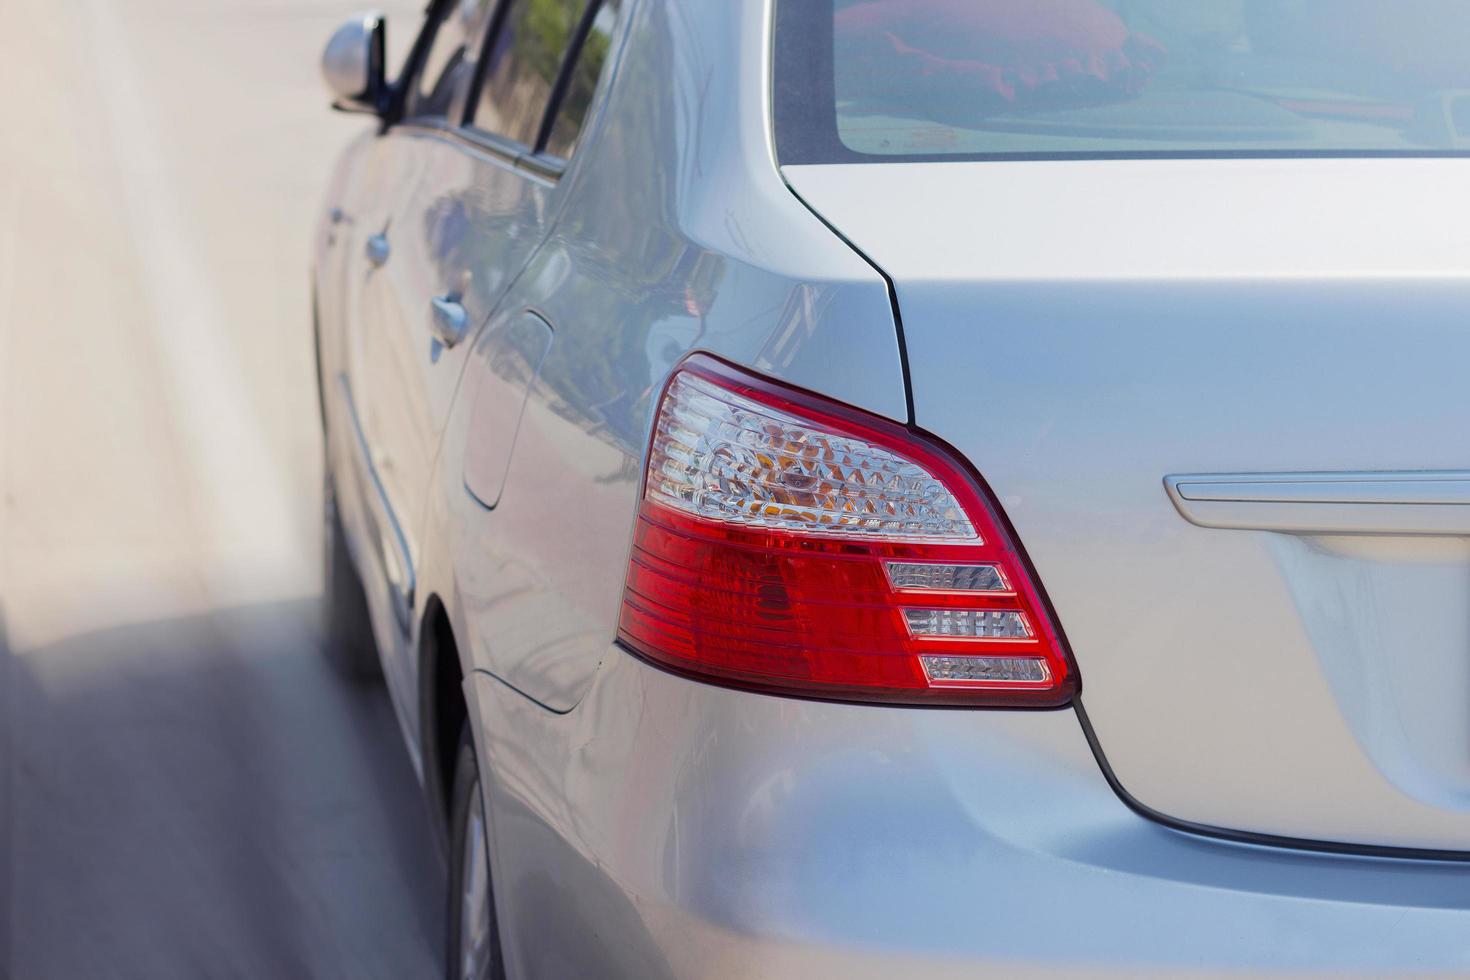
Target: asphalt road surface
<point>186,790</point>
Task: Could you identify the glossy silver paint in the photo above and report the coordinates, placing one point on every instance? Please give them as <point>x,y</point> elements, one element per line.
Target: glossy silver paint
<point>1214,316</point>
<point>715,833</point>
<point>1081,332</point>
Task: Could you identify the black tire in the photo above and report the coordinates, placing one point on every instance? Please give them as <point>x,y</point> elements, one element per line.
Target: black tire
<point>347,630</point>
<point>462,804</point>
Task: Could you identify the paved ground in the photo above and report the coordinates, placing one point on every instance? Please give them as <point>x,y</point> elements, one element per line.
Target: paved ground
<point>185,789</point>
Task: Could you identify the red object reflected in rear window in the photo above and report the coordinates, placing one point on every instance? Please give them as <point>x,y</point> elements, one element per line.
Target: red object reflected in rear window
<point>864,79</point>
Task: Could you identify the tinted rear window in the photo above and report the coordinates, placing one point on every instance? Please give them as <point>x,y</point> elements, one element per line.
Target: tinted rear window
<point>868,80</point>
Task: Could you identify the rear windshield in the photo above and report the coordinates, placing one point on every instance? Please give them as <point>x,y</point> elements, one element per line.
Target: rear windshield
<point>872,80</point>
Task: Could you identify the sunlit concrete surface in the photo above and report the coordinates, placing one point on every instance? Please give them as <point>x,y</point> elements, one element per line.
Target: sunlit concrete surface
<point>185,788</point>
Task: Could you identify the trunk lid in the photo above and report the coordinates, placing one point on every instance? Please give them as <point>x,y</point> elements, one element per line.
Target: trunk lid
<point>1224,404</point>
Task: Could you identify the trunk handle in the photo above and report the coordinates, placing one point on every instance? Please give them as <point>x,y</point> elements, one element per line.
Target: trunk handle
<point>1433,502</point>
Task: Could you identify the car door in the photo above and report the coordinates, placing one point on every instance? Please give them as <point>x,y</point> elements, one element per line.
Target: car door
<point>474,204</point>
<point>388,397</point>
<point>530,556</point>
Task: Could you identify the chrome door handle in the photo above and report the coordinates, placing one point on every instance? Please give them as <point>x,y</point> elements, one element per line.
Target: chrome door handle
<point>450,319</point>
<point>378,249</point>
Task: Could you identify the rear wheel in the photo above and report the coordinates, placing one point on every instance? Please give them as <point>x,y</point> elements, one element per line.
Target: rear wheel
<point>348,640</point>
<point>474,941</point>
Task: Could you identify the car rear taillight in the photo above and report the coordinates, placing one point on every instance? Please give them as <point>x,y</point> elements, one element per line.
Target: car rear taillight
<point>794,545</point>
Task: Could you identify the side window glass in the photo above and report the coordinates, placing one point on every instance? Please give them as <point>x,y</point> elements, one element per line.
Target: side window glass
<point>583,83</point>
<point>522,65</point>
<point>447,65</point>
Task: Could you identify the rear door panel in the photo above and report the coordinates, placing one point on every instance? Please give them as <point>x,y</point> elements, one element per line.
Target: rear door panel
<point>467,222</point>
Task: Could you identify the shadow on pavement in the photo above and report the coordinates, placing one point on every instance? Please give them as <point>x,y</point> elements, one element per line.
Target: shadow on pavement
<point>204,797</point>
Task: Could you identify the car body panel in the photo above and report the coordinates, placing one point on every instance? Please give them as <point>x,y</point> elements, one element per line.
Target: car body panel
<point>648,825</point>
<point>360,200</point>
<point>739,267</point>
<point>498,388</point>
<point>1295,683</point>
<point>671,828</point>
<point>466,222</point>
<point>675,233</point>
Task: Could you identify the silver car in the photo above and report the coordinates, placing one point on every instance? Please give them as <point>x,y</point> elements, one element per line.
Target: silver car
<point>914,487</point>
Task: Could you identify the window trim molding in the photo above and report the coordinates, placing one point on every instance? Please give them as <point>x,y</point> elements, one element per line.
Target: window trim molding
<point>503,152</point>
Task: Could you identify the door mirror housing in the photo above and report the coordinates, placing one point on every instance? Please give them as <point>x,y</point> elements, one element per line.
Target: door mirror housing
<point>353,65</point>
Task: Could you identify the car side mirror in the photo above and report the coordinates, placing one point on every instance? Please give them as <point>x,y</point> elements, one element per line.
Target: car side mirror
<point>354,65</point>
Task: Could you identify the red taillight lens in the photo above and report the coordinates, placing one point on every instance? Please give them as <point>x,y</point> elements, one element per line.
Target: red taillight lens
<point>795,545</point>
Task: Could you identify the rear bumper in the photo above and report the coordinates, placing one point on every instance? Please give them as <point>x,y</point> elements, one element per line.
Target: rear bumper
<point>665,827</point>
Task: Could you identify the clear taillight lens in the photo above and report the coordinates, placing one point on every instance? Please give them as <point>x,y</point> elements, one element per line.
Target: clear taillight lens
<point>733,459</point>
<point>795,545</point>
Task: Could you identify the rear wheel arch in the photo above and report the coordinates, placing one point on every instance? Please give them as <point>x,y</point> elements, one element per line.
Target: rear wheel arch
<point>443,712</point>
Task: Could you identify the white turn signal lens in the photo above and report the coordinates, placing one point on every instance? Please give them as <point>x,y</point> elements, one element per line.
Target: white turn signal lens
<point>719,455</point>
